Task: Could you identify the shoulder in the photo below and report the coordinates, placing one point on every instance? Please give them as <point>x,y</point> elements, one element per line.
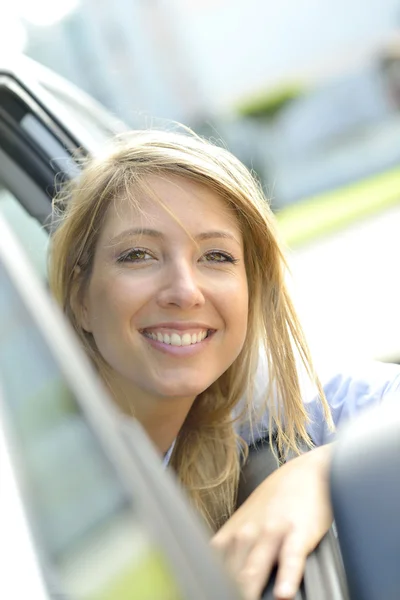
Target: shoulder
<point>351,389</point>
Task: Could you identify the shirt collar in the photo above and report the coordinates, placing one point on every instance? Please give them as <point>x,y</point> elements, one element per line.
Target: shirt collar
<point>167,455</point>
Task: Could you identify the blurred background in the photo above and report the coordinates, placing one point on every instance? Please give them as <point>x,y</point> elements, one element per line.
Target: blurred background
<point>305,92</point>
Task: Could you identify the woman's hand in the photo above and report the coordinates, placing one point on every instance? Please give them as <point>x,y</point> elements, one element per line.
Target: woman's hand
<point>281,522</point>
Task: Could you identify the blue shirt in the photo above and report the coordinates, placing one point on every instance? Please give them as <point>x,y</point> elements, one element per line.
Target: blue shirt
<point>350,390</point>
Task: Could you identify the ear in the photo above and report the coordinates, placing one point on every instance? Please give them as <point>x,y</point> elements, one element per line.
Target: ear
<point>80,301</point>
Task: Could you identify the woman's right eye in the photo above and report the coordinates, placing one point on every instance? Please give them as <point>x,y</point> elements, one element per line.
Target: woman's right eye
<point>134,256</point>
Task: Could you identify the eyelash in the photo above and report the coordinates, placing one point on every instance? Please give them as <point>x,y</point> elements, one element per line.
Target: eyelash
<point>228,258</point>
<point>126,256</point>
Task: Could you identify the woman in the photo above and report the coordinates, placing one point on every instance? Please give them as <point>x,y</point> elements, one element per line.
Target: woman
<point>167,262</point>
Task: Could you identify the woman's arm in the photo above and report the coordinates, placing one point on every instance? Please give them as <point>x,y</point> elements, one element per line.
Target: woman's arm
<point>281,522</point>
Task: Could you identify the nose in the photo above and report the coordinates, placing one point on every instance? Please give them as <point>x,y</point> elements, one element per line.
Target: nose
<point>180,288</point>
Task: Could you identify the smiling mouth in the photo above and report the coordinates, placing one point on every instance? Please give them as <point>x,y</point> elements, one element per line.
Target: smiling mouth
<point>176,339</point>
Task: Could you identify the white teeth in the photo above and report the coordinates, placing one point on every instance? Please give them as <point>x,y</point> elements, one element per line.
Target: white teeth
<point>186,339</point>
<point>174,339</point>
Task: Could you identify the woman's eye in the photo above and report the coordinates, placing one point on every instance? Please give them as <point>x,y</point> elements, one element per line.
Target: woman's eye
<point>135,255</point>
<point>217,256</point>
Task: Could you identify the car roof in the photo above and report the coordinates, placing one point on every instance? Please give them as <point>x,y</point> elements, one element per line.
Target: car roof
<point>23,68</point>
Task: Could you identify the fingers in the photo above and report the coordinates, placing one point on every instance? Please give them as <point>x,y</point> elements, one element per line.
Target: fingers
<point>255,573</point>
<point>250,554</point>
<point>292,559</point>
<point>235,547</point>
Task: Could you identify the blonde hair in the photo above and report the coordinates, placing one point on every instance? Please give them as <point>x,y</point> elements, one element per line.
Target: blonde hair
<point>205,457</point>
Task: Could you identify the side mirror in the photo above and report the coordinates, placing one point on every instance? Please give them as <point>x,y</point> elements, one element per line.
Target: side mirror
<point>365,484</point>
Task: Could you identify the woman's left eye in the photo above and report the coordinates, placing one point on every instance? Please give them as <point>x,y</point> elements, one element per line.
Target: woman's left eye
<point>216,256</point>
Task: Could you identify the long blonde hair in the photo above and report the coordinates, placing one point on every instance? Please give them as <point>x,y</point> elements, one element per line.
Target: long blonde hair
<point>205,457</point>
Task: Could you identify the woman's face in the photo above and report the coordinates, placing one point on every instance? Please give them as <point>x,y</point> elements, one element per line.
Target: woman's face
<point>167,303</point>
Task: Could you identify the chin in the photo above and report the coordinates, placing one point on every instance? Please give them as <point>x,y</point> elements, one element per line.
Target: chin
<point>176,390</point>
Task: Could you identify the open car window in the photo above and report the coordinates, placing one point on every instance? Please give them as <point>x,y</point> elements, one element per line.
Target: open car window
<point>106,520</point>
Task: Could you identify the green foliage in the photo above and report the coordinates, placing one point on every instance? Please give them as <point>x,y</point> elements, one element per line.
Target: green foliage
<point>267,105</point>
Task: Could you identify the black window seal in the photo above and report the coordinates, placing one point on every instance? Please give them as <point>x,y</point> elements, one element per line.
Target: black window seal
<point>38,108</point>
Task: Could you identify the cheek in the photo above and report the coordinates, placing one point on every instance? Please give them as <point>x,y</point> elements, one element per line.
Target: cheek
<point>111,307</point>
<point>235,301</point>
<point>109,303</point>
<point>240,318</point>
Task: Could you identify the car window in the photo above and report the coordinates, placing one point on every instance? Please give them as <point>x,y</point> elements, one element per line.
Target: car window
<point>29,231</point>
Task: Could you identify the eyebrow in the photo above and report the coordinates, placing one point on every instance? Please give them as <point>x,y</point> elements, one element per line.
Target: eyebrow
<point>133,232</point>
<point>154,233</point>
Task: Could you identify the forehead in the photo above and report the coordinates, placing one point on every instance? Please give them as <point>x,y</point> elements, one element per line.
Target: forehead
<point>171,202</point>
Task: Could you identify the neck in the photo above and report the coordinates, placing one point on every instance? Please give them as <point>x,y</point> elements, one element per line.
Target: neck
<point>163,424</point>
<point>161,417</point>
